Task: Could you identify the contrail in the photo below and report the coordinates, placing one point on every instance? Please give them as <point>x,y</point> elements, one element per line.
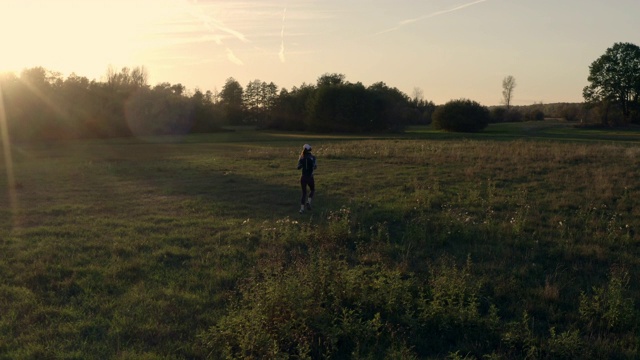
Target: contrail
<point>233,58</point>
<point>410,21</point>
<point>281,54</point>
<point>214,25</point>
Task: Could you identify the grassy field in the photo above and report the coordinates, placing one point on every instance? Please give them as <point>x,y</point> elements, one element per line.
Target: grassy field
<point>519,242</point>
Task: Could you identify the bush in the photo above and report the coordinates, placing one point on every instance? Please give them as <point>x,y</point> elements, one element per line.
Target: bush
<point>534,114</point>
<point>609,308</point>
<point>501,114</point>
<point>498,114</point>
<point>461,115</point>
<point>319,308</point>
<point>571,112</point>
<point>604,113</point>
<point>513,115</point>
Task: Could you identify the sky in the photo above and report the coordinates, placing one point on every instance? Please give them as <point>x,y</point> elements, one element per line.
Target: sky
<point>440,49</point>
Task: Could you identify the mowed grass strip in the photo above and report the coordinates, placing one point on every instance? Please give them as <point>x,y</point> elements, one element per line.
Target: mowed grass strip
<point>138,248</point>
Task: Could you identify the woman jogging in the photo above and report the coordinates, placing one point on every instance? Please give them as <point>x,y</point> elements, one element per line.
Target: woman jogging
<point>307,162</point>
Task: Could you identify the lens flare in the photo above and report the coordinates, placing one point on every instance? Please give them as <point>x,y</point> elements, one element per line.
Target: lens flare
<point>8,162</point>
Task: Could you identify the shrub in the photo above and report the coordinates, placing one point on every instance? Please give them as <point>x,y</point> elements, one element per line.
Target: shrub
<point>501,114</point>
<point>533,114</point>
<point>513,115</point>
<point>609,308</point>
<point>461,115</point>
<point>567,345</point>
<point>450,313</point>
<point>604,113</point>
<point>317,308</point>
<point>571,112</point>
<point>498,114</point>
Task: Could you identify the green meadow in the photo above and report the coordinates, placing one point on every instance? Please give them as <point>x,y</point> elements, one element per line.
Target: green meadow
<point>522,241</point>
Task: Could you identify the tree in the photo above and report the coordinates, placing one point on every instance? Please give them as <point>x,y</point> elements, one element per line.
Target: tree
<point>344,107</point>
<point>331,79</point>
<point>290,110</point>
<point>139,76</point>
<point>421,108</point>
<point>231,100</point>
<point>75,103</point>
<point>534,112</point>
<point>417,95</point>
<point>39,113</point>
<point>508,85</point>
<point>206,114</point>
<point>177,89</point>
<point>127,78</point>
<point>259,99</point>
<point>615,78</point>
<point>461,115</point>
<point>571,112</point>
<point>158,111</point>
<point>392,109</point>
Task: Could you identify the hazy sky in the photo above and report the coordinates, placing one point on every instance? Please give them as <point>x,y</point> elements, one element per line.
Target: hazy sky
<point>449,49</point>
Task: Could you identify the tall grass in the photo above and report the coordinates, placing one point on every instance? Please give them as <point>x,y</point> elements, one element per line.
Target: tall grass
<point>416,248</point>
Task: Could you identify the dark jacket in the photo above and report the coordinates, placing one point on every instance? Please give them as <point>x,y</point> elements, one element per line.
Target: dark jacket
<point>307,164</point>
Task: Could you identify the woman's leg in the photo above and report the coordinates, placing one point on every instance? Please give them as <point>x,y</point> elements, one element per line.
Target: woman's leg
<point>312,188</point>
<point>303,185</point>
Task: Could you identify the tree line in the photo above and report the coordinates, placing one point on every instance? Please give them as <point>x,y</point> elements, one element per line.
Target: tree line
<point>40,104</point>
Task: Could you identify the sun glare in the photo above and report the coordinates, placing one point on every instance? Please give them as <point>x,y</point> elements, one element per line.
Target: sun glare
<point>8,159</point>
<point>84,37</point>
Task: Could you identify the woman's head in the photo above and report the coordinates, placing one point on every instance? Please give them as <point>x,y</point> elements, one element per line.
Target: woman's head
<point>306,148</point>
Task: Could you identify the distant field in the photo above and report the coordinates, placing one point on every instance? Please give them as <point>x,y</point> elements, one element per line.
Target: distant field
<point>518,242</point>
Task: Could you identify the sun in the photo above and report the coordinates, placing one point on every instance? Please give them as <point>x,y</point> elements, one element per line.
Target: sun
<point>84,37</point>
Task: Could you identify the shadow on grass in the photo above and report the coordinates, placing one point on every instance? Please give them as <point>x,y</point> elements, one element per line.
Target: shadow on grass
<point>224,190</point>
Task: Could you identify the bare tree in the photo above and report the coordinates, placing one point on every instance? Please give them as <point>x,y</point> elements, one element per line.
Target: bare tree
<point>139,76</point>
<point>136,78</point>
<point>508,85</point>
<point>417,95</point>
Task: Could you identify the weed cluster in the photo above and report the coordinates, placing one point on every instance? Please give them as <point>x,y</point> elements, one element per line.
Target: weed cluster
<point>325,302</point>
